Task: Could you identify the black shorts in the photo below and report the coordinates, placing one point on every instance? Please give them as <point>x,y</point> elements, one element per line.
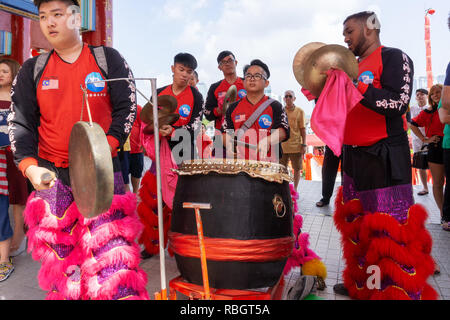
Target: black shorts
<point>435,152</point>
<point>136,161</point>
<point>132,163</point>
<point>384,164</point>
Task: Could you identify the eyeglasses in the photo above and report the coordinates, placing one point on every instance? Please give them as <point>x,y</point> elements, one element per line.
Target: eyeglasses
<point>288,96</point>
<point>224,62</point>
<point>256,76</point>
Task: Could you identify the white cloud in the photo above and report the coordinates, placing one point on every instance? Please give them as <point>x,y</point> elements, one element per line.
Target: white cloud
<point>271,30</point>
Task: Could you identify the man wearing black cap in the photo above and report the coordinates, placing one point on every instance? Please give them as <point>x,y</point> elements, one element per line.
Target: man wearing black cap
<point>417,144</point>
<point>216,93</point>
<point>269,128</point>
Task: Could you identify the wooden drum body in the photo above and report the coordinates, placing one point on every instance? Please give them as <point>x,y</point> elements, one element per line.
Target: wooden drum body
<point>248,231</point>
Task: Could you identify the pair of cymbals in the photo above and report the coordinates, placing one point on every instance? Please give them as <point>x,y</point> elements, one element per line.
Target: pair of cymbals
<point>167,105</point>
<point>314,59</point>
<point>230,97</point>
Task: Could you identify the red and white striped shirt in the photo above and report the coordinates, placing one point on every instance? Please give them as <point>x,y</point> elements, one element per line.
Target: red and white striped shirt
<point>3,180</point>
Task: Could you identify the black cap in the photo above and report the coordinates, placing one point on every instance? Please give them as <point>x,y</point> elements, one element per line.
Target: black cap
<point>424,91</point>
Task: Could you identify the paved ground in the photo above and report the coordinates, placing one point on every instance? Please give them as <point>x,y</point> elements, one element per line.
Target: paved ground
<point>324,239</point>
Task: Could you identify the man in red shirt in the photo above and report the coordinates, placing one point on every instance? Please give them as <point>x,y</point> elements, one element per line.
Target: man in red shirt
<point>44,109</point>
<point>386,245</point>
<point>268,130</point>
<point>227,64</point>
<point>190,108</point>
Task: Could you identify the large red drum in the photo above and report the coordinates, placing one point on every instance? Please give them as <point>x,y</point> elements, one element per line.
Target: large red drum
<point>248,231</point>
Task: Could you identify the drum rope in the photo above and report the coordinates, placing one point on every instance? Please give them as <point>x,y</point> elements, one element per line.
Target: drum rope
<point>254,250</point>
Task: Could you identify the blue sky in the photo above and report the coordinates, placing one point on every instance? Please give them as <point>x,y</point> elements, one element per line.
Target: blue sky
<point>149,33</point>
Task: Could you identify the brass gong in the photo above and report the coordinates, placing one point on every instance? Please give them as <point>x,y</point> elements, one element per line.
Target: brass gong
<point>230,97</point>
<point>300,58</point>
<point>325,58</point>
<point>91,169</point>
<point>166,105</point>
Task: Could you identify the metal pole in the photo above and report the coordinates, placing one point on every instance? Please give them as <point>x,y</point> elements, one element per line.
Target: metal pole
<point>162,258</point>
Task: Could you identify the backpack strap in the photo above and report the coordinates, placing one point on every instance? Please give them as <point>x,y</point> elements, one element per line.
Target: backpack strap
<point>252,119</point>
<point>100,57</point>
<point>41,62</point>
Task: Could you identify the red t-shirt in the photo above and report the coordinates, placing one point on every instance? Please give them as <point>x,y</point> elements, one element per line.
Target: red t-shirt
<point>273,117</point>
<point>60,85</point>
<point>185,107</point>
<point>369,122</point>
<point>430,121</point>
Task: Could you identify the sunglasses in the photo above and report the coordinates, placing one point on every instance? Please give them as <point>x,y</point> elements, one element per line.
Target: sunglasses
<point>288,96</point>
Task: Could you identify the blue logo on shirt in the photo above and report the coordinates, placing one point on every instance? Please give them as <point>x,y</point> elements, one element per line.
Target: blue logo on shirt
<point>185,110</point>
<point>242,93</point>
<point>95,87</point>
<point>265,121</point>
<point>366,77</point>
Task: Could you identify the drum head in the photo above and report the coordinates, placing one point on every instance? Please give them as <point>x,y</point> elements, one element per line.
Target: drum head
<point>91,169</point>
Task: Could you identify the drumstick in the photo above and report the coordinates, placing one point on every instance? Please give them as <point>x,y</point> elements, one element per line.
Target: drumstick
<point>247,145</point>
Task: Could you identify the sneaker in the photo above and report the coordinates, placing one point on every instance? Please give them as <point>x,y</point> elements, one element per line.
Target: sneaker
<point>322,203</point>
<point>446,226</point>
<point>339,288</point>
<point>301,288</point>
<point>21,248</point>
<point>5,270</point>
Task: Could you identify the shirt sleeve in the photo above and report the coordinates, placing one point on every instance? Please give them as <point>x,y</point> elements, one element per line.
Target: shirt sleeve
<point>280,119</point>
<point>447,76</point>
<point>421,120</point>
<point>122,95</point>
<point>228,121</point>
<point>301,120</point>
<point>211,103</point>
<point>24,118</point>
<point>396,82</point>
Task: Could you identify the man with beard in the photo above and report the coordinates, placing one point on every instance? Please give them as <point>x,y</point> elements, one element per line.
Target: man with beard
<point>385,243</point>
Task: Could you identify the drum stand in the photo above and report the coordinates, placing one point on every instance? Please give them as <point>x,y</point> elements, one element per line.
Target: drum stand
<point>196,292</point>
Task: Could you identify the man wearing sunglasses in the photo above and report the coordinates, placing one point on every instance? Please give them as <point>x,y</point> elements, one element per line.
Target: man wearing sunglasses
<point>295,147</point>
<point>270,127</point>
<point>216,94</point>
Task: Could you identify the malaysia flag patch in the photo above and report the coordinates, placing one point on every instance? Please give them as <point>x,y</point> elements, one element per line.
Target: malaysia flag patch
<point>50,84</point>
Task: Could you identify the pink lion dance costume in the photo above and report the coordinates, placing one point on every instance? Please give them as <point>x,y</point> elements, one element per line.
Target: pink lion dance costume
<point>302,256</point>
<point>148,205</point>
<point>89,259</point>
<point>399,245</point>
